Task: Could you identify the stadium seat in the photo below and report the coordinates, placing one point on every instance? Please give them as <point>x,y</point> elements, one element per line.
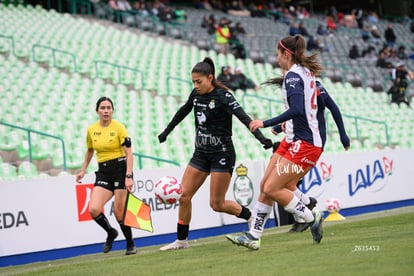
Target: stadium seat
<point>158,58</point>
<point>8,171</point>
<point>27,170</point>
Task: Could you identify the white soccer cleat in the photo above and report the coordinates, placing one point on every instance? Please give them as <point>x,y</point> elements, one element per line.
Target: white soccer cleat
<point>177,244</point>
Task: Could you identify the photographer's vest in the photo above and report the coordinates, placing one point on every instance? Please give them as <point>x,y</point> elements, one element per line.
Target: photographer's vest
<point>222,34</point>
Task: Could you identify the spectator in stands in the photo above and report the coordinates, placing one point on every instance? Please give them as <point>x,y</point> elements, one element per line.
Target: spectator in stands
<point>209,22</point>
<point>401,53</point>
<point>314,44</point>
<point>372,17</point>
<point>401,78</point>
<point>114,177</point>
<point>382,60</point>
<point>330,24</point>
<point>166,14</point>
<point>124,5</point>
<point>369,53</point>
<point>390,36</point>
<point>321,30</point>
<point>223,35</point>
<point>365,34</point>
<point>333,12</point>
<point>226,77</point>
<point>240,81</point>
<point>156,7</point>
<point>237,8</point>
<point>294,29</point>
<point>256,10</point>
<point>237,30</point>
<point>141,8</point>
<point>206,21</point>
<point>113,4</point>
<point>375,35</point>
<point>204,4</point>
<point>116,10</point>
<point>302,30</point>
<point>341,19</point>
<point>302,12</point>
<point>354,52</point>
<point>237,47</point>
<point>393,56</point>
<point>359,17</point>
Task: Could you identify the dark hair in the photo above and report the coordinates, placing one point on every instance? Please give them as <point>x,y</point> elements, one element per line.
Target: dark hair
<point>296,45</point>
<point>205,68</point>
<point>102,99</point>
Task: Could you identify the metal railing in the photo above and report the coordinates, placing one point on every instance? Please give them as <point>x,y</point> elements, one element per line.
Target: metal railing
<point>356,119</point>
<point>54,51</point>
<point>359,118</point>
<point>143,156</point>
<point>171,78</point>
<point>29,140</point>
<point>268,100</point>
<point>119,69</point>
<point>11,42</point>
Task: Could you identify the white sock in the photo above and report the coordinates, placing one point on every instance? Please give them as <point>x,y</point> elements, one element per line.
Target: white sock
<point>302,197</point>
<point>260,214</point>
<point>299,210</point>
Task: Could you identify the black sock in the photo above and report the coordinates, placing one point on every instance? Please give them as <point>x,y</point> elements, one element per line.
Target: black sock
<point>182,231</point>
<point>126,230</point>
<point>245,213</point>
<point>104,223</point>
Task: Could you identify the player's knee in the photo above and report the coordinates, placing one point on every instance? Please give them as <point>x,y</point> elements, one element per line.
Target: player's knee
<point>94,211</point>
<point>217,205</point>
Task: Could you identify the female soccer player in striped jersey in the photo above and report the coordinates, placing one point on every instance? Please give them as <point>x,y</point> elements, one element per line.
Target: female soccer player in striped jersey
<point>299,150</point>
<point>324,101</point>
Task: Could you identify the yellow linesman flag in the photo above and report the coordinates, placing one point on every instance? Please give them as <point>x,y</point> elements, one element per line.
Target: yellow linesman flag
<point>137,214</point>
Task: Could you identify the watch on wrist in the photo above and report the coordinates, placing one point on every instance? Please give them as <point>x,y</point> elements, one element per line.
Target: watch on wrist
<point>129,175</point>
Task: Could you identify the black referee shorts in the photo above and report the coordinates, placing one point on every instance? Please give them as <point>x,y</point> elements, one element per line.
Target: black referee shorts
<point>222,161</point>
<point>111,174</point>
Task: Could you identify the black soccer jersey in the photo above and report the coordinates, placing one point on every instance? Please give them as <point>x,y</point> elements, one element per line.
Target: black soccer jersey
<point>213,118</point>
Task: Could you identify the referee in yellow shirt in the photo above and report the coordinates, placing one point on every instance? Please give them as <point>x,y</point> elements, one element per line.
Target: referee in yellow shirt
<point>109,138</point>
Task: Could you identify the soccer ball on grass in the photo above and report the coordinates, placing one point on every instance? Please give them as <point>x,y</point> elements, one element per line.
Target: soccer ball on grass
<point>168,190</point>
<point>333,205</point>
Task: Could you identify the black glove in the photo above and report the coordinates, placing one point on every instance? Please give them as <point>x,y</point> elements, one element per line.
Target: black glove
<point>277,128</point>
<point>162,137</point>
<point>267,143</point>
<point>275,145</point>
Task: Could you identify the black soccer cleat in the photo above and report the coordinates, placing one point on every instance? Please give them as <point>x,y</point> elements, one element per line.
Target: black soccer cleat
<point>312,203</point>
<point>110,240</point>
<point>298,227</point>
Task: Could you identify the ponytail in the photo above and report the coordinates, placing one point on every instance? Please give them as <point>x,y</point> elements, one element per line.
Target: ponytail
<point>206,67</point>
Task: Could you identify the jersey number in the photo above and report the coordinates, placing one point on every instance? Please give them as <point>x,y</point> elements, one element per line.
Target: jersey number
<point>314,104</point>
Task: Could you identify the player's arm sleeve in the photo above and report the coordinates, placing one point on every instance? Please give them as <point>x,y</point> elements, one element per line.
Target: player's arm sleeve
<point>182,112</point>
<point>296,108</point>
<point>295,98</point>
<point>336,114</point>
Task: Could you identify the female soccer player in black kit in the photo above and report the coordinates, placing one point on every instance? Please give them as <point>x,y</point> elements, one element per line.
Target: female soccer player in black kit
<point>214,151</point>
